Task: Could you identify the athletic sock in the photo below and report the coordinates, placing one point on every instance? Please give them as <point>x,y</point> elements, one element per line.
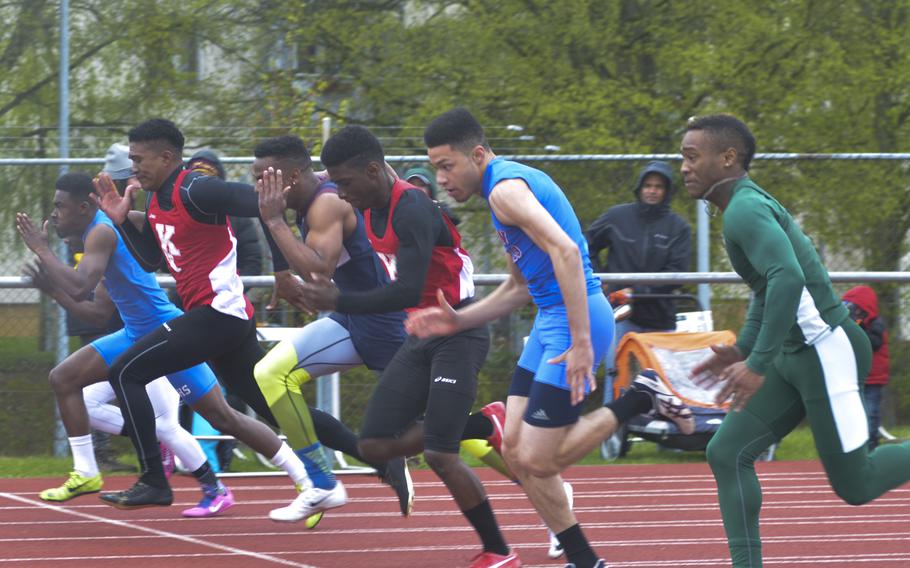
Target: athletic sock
<point>335,435</point>
<point>631,403</point>
<point>478,427</point>
<point>83,455</point>
<point>317,467</point>
<point>287,460</point>
<point>484,522</point>
<point>578,551</point>
<point>205,475</point>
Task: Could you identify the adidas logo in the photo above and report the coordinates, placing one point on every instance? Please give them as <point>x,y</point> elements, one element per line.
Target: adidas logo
<point>445,380</point>
<point>540,414</point>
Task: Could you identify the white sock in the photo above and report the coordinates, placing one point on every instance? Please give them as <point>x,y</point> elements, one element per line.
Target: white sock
<point>83,455</point>
<point>287,460</point>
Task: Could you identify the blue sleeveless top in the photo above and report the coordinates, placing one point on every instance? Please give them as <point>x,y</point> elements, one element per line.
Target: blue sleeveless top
<point>142,304</point>
<point>534,263</point>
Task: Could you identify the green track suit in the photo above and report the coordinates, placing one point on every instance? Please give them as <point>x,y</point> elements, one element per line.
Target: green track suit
<point>814,359</point>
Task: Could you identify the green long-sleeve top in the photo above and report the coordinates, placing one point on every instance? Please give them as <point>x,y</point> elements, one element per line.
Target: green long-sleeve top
<point>794,303</point>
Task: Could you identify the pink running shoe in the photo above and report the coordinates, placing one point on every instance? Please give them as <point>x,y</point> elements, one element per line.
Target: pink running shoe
<point>211,505</point>
<point>167,460</point>
<point>496,412</point>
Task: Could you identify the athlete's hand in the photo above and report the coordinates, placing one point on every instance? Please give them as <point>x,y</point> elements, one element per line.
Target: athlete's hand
<point>272,196</point>
<point>428,322</point>
<point>579,361</point>
<point>35,238</point>
<point>708,372</point>
<point>114,205</point>
<point>39,277</point>
<point>740,383</point>
<point>290,289</point>
<point>320,292</point>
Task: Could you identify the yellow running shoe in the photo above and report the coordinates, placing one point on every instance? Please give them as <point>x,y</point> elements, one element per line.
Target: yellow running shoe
<point>76,485</point>
<point>313,519</point>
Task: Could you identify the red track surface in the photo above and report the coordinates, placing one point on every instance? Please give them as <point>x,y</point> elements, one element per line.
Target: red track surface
<point>635,516</point>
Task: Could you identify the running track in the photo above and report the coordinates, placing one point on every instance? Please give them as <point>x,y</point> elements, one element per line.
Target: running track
<point>637,516</point>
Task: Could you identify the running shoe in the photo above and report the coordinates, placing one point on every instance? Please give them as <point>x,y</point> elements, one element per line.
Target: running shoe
<point>311,501</point>
<point>214,502</point>
<point>397,476</point>
<point>138,496</point>
<point>76,485</point>
<point>493,560</point>
<point>663,401</point>
<point>496,412</point>
<point>556,549</point>
<point>313,520</point>
<point>167,460</point>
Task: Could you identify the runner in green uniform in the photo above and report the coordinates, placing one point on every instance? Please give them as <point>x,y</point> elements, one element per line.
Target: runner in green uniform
<point>798,354</point>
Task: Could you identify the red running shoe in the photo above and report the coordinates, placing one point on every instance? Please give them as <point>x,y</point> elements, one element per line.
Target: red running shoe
<point>496,412</point>
<point>492,560</point>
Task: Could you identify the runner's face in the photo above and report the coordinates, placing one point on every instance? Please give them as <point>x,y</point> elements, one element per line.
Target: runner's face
<point>67,217</point>
<point>703,163</point>
<point>152,163</point>
<point>359,186</point>
<point>459,174</point>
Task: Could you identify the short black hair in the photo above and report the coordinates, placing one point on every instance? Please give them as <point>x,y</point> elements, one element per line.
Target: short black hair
<point>353,146</point>
<point>158,130</point>
<point>284,148</point>
<point>458,128</point>
<point>727,132</point>
<point>77,184</point>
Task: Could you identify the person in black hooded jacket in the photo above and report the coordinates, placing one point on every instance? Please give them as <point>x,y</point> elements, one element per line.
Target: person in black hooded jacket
<point>643,236</point>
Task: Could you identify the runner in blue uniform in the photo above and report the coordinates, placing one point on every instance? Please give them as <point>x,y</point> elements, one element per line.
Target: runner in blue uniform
<point>110,269</point>
<point>544,432</point>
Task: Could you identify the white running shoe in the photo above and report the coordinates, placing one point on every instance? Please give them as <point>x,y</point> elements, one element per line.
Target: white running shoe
<point>665,403</point>
<point>311,501</point>
<point>556,550</point>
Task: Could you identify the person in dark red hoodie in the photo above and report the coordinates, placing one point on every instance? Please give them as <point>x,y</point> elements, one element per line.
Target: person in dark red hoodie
<point>863,305</point>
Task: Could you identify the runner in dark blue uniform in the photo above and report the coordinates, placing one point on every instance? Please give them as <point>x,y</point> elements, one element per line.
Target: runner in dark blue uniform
<point>334,244</point>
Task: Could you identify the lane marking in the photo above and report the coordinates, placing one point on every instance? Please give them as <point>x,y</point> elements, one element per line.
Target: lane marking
<point>156,532</point>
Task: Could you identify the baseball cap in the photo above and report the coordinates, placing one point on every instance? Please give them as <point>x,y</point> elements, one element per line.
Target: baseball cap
<point>117,162</point>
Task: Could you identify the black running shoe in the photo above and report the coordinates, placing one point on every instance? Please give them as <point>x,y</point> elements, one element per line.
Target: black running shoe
<point>398,477</point>
<point>138,496</point>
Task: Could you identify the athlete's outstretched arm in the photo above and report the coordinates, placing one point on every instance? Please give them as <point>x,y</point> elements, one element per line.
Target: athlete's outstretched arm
<point>443,320</point>
<point>212,200</point>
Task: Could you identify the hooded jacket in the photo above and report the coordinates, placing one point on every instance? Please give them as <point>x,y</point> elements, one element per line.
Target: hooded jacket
<point>864,310</point>
<point>644,238</point>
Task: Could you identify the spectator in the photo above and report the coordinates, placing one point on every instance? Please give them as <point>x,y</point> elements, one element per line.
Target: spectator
<point>862,303</point>
<point>644,236</point>
<point>424,179</point>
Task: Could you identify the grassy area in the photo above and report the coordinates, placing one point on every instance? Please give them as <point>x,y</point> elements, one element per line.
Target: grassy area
<point>797,446</point>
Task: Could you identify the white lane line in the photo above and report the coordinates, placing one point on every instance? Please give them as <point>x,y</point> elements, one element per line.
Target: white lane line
<point>156,532</point>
